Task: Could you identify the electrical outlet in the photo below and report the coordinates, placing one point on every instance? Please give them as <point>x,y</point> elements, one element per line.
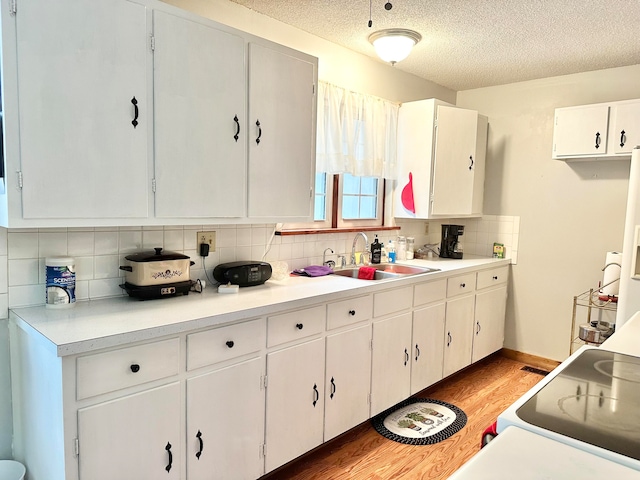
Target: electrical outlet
<point>209,238</point>
<point>426,228</point>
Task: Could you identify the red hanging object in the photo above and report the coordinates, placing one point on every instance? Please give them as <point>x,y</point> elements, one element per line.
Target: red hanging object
<point>407,196</point>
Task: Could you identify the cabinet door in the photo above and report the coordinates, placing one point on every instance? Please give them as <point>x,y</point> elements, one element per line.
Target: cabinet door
<point>83,142</point>
<point>295,407</point>
<point>428,349</point>
<point>626,127</point>
<point>580,131</point>
<point>391,362</point>
<point>225,423</point>
<point>454,161</point>
<point>137,436</point>
<point>477,198</point>
<point>489,329</point>
<point>458,335</point>
<point>282,106</point>
<point>348,379</point>
<point>199,101</point>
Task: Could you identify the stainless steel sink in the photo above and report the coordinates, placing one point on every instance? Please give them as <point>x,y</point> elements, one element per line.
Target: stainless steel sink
<point>387,270</point>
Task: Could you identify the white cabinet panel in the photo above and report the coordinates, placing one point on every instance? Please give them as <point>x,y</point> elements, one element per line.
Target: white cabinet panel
<point>391,364</point>
<point>489,316</point>
<point>83,142</point>
<point>625,129</point>
<point>347,380</point>
<point>225,423</point>
<point>199,101</point>
<point>428,348</point>
<point>125,438</point>
<point>458,334</point>
<point>295,402</point>
<point>282,106</point>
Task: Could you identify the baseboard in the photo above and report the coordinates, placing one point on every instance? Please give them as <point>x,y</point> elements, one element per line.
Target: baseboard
<point>532,360</point>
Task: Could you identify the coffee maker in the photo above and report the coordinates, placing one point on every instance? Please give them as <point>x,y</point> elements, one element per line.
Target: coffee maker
<point>450,246</point>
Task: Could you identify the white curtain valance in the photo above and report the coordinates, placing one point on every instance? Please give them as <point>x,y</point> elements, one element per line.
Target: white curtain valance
<point>356,133</point>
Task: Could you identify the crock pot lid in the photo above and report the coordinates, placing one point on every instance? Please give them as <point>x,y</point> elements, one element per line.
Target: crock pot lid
<point>156,256</point>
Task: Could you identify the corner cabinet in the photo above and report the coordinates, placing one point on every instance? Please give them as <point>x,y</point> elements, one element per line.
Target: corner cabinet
<point>440,145</point>
<point>123,113</point>
<point>603,130</point>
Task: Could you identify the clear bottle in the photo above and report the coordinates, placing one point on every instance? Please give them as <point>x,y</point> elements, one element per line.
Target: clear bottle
<point>401,249</point>
<point>410,247</point>
<point>391,252</point>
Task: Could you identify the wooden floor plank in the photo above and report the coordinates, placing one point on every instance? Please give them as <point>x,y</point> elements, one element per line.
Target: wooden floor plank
<point>482,391</point>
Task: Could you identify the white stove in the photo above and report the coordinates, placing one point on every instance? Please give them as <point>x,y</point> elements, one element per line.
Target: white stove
<point>591,402</point>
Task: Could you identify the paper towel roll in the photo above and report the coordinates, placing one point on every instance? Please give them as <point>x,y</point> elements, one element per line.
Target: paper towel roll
<point>612,273</point>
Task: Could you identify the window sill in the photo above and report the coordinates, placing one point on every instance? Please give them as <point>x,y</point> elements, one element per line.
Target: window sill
<point>303,231</point>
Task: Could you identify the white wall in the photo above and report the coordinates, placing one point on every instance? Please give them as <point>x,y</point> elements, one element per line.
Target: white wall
<point>571,214</point>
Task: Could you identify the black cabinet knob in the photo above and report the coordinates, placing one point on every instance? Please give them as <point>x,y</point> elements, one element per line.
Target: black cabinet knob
<point>463,285</point>
<point>135,368</point>
<point>352,312</point>
<point>299,326</point>
<point>230,344</point>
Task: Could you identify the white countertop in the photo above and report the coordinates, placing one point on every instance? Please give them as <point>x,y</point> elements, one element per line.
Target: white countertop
<point>95,324</point>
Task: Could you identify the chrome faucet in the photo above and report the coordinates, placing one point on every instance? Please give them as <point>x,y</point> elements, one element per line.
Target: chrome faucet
<point>325,262</point>
<point>353,248</point>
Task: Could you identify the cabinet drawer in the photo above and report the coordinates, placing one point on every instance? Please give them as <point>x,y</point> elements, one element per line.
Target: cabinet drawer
<point>429,292</point>
<point>224,343</point>
<point>495,276</point>
<point>348,312</point>
<point>126,367</point>
<point>392,301</point>
<point>461,284</point>
<point>294,325</point>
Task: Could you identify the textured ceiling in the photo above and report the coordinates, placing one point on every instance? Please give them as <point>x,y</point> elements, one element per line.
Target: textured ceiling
<point>476,43</point>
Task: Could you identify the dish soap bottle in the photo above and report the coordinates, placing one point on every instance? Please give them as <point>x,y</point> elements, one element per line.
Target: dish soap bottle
<point>391,252</point>
<point>376,251</point>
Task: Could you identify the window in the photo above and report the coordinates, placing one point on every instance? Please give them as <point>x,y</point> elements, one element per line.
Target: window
<point>356,151</point>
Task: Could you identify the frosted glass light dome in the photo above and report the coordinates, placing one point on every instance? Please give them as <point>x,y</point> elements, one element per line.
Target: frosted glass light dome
<point>394,44</point>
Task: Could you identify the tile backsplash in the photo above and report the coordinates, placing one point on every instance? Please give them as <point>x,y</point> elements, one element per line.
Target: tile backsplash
<point>99,252</point>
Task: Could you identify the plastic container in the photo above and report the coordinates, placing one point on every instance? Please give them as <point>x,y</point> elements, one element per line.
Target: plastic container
<point>60,283</point>
<point>391,252</point>
<point>12,470</point>
<point>401,249</point>
<point>410,247</point>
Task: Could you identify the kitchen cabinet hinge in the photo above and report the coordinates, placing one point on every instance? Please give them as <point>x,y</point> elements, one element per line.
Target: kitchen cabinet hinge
<point>313,89</point>
<point>263,450</point>
<point>152,42</point>
<point>13,7</point>
<point>76,447</point>
<point>19,179</point>
<point>371,345</point>
<point>263,385</point>
<point>153,185</point>
<point>369,398</point>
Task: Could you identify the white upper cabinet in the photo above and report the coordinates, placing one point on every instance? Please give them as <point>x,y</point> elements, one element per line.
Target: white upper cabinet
<point>596,131</point>
<point>200,135</point>
<point>85,115</point>
<point>282,110</point>
<point>122,113</point>
<point>441,161</point>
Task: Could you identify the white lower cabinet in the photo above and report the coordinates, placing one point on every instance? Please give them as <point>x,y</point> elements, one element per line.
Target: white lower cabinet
<point>428,349</point>
<point>347,380</point>
<point>391,362</point>
<point>225,423</point>
<point>295,402</point>
<point>458,334</point>
<point>489,328</point>
<point>133,437</point>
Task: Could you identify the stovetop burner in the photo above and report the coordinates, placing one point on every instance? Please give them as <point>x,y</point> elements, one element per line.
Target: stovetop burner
<point>594,399</point>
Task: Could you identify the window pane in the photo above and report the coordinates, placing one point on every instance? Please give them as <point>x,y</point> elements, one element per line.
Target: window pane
<point>350,207</point>
<point>368,207</point>
<point>350,184</point>
<point>369,185</point>
<point>321,183</point>
<point>320,208</point>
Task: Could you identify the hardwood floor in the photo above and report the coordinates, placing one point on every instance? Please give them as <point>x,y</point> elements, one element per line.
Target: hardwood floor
<point>482,391</point>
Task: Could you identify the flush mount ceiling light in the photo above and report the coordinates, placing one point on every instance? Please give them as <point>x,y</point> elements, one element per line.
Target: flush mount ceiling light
<point>394,44</point>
